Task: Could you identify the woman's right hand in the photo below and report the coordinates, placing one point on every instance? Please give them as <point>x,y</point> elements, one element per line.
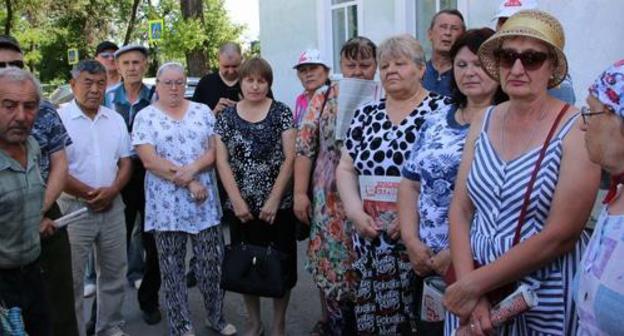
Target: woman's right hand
<point>419,255</point>
<point>365,225</point>
<point>198,191</point>
<point>241,210</point>
<point>302,208</point>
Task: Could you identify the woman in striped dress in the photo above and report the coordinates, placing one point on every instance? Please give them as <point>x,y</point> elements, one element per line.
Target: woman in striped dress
<point>499,158</point>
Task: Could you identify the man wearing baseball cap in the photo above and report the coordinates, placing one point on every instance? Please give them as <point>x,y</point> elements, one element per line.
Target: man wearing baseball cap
<point>507,8</point>
<point>313,73</point>
<point>105,54</point>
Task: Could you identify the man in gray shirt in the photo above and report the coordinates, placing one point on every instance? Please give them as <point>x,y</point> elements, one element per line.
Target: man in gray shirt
<point>21,202</point>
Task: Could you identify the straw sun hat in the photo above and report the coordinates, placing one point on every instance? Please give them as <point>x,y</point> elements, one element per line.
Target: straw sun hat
<point>528,23</point>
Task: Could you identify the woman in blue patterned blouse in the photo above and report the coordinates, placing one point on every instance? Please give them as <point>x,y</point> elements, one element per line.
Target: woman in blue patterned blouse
<point>175,140</point>
<point>429,175</point>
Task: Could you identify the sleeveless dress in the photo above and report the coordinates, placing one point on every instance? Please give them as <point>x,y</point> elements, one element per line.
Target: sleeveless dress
<point>497,189</point>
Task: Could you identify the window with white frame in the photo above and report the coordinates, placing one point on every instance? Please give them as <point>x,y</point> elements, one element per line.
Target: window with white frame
<point>425,10</point>
<point>344,23</point>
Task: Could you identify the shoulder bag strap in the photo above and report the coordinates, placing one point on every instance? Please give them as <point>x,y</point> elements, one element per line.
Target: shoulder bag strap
<point>328,83</point>
<point>527,195</point>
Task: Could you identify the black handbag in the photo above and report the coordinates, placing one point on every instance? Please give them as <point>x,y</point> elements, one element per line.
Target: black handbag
<point>254,270</point>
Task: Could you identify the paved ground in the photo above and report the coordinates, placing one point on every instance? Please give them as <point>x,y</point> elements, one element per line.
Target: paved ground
<point>302,314</point>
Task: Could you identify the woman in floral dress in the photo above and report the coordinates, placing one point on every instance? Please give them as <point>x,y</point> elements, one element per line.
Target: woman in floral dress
<point>330,249</point>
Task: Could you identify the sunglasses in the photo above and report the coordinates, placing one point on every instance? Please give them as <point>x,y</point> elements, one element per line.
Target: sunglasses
<point>586,113</point>
<point>17,64</point>
<point>531,60</point>
<point>106,55</point>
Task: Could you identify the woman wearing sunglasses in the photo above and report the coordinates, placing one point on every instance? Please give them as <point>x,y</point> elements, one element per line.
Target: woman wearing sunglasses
<point>599,294</point>
<point>518,210</point>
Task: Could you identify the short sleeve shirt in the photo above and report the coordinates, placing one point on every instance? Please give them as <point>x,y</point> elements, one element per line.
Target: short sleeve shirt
<point>169,207</point>
<point>255,152</point>
<point>439,83</point>
<point>21,200</point>
<point>50,134</point>
<point>379,147</point>
<point>97,146</point>
<point>434,162</point>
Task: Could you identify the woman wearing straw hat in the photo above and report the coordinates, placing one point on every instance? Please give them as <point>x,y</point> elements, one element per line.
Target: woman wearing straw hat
<point>519,210</point>
<point>600,294</point>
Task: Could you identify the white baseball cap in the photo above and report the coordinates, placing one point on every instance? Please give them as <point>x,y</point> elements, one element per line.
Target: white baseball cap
<point>310,56</point>
<point>508,8</point>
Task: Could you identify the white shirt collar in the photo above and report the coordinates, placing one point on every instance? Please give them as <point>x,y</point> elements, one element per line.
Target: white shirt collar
<point>76,111</point>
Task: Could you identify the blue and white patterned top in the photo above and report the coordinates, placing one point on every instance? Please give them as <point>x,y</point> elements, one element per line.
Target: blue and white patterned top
<point>50,134</point>
<point>167,206</point>
<point>434,162</point>
<point>600,281</point>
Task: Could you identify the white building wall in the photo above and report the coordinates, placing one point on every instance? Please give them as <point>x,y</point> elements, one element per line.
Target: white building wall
<point>594,33</point>
<point>286,29</point>
<point>594,37</point>
<point>378,19</point>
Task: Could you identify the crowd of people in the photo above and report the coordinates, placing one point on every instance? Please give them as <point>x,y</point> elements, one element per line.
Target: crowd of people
<point>493,169</point>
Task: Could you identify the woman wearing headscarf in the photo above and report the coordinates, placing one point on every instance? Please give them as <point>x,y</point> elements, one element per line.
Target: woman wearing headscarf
<point>600,287</point>
<point>520,217</point>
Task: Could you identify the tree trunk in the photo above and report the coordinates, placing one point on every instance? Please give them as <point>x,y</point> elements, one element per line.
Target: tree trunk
<point>7,24</point>
<point>135,6</point>
<point>195,59</point>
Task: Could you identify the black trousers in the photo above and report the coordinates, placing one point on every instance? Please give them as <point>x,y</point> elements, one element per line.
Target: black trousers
<point>25,288</point>
<point>57,267</point>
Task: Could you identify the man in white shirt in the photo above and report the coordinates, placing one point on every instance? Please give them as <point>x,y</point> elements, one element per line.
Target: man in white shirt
<point>99,167</point>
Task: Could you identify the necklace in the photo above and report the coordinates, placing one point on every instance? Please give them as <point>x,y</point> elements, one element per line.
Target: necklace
<point>527,143</point>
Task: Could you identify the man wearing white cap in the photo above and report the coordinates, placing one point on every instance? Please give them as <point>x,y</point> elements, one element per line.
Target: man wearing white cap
<point>128,98</point>
<point>507,8</point>
<point>313,73</point>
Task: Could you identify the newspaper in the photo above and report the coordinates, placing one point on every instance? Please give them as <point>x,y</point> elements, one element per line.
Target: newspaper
<point>518,302</point>
<point>352,93</point>
<point>379,196</point>
<point>432,304</point>
<point>69,218</point>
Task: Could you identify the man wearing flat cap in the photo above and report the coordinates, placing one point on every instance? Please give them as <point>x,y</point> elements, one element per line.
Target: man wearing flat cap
<point>128,98</point>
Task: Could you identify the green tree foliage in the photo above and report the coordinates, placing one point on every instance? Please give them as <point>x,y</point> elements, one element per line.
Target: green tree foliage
<point>47,28</point>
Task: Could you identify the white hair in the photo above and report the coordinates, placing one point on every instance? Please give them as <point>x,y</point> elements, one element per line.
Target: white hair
<point>175,66</point>
<point>17,75</point>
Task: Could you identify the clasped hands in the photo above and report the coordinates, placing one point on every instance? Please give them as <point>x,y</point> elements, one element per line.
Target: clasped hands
<point>184,176</point>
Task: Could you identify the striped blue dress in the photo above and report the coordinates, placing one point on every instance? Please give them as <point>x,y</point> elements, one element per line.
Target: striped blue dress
<point>497,189</point>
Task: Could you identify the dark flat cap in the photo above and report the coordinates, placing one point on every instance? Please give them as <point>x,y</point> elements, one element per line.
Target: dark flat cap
<point>106,45</point>
<point>9,42</point>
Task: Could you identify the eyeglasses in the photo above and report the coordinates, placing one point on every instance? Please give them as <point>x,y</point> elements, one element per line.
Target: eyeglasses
<point>172,83</point>
<point>106,55</point>
<point>531,60</point>
<point>586,113</point>
<point>17,64</point>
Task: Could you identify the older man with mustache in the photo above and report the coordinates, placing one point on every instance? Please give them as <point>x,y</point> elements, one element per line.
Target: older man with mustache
<point>22,193</point>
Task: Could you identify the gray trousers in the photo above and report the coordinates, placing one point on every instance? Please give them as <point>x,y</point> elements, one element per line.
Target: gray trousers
<point>106,233</point>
